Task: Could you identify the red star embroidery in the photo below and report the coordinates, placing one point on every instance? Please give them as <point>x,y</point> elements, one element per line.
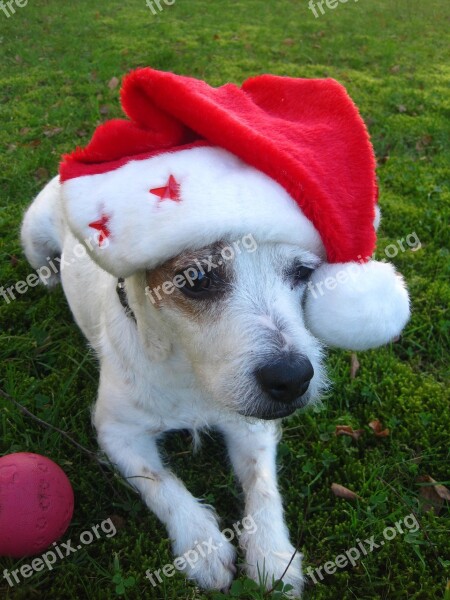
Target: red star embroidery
<point>102,226</point>
<point>171,191</point>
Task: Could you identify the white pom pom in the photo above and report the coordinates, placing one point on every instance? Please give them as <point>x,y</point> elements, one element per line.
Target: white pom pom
<point>356,306</point>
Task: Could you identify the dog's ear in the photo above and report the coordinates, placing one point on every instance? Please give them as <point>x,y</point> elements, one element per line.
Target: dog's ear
<point>153,334</point>
<point>356,306</point>
<point>41,232</point>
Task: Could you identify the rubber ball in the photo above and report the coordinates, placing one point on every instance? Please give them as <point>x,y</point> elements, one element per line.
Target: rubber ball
<point>36,504</point>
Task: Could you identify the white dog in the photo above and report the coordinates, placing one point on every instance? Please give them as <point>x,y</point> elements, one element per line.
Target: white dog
<point>230,351</point>
<point>207,318</point>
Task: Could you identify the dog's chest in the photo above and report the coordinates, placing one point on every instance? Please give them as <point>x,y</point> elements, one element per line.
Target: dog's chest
<point>170,397</point>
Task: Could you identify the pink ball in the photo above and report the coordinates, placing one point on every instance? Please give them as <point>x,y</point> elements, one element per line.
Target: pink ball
<point>36,504</point>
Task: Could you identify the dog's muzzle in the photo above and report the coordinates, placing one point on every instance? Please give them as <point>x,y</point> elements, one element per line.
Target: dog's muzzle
<point>284,383</point>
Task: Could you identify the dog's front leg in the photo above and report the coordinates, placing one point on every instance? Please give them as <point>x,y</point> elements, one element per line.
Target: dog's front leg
<point>252,449</point>
<point>124,433</point>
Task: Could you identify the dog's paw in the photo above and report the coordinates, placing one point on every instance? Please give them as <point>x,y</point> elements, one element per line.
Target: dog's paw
<point>267,566</point>
<point>207,558</point>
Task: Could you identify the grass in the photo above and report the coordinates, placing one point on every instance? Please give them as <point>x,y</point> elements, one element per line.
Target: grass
<point>57,60</point>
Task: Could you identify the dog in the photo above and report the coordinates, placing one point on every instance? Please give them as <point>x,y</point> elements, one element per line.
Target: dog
<point>228,350</point>
<point>192,274</point>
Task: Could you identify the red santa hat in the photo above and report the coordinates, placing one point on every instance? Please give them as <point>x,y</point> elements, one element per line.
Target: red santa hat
<point>287,160</point>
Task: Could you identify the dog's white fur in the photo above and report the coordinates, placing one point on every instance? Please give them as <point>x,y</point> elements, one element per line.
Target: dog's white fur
<point>170,370</point>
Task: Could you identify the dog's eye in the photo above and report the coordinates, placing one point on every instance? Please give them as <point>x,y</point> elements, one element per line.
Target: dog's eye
<point>201,285</point>
<point>299,274</point>
<point>303,273</point>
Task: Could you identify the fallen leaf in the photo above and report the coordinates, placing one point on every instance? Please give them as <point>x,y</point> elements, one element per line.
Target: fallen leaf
<point>430,498</point>
<point>395,69</point>
<point>401,108</point>
<point>18,58</point>
<point>441,490</point>
<point>433,494</point>
<point>14,261</point>
<point>342,492</point>
<point>33,143</point>
<point>354,365</point>
<point>81,133</point>
<point>113,83</point>
<point>385,155</point>
<point>377,428</point>
<point>348,430</point>
<point>118,521</point>
<point>41,173</point>
<point>51,131</point>
<point>288,42</point>
<point>24,131</point>
<point>104,109</point>
<point>424,141</point>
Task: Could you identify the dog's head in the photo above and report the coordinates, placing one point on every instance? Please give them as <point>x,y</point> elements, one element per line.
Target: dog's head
<point>288,160</point>
<point>235,309</point>
<point>228,253</point>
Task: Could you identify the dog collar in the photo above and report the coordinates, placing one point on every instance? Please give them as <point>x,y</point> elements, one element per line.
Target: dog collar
<point>122,293</point>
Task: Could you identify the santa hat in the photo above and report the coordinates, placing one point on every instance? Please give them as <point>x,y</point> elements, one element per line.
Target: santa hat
<point>287,160</point>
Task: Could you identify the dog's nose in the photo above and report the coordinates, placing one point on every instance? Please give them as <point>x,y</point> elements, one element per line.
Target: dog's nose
<point>286,379</point>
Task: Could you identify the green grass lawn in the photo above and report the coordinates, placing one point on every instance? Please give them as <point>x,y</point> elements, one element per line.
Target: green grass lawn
<point>393,56</point>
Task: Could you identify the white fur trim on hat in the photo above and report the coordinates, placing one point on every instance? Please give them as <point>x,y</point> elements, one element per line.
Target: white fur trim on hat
<point>127,227</point>
<point>356,306</point>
